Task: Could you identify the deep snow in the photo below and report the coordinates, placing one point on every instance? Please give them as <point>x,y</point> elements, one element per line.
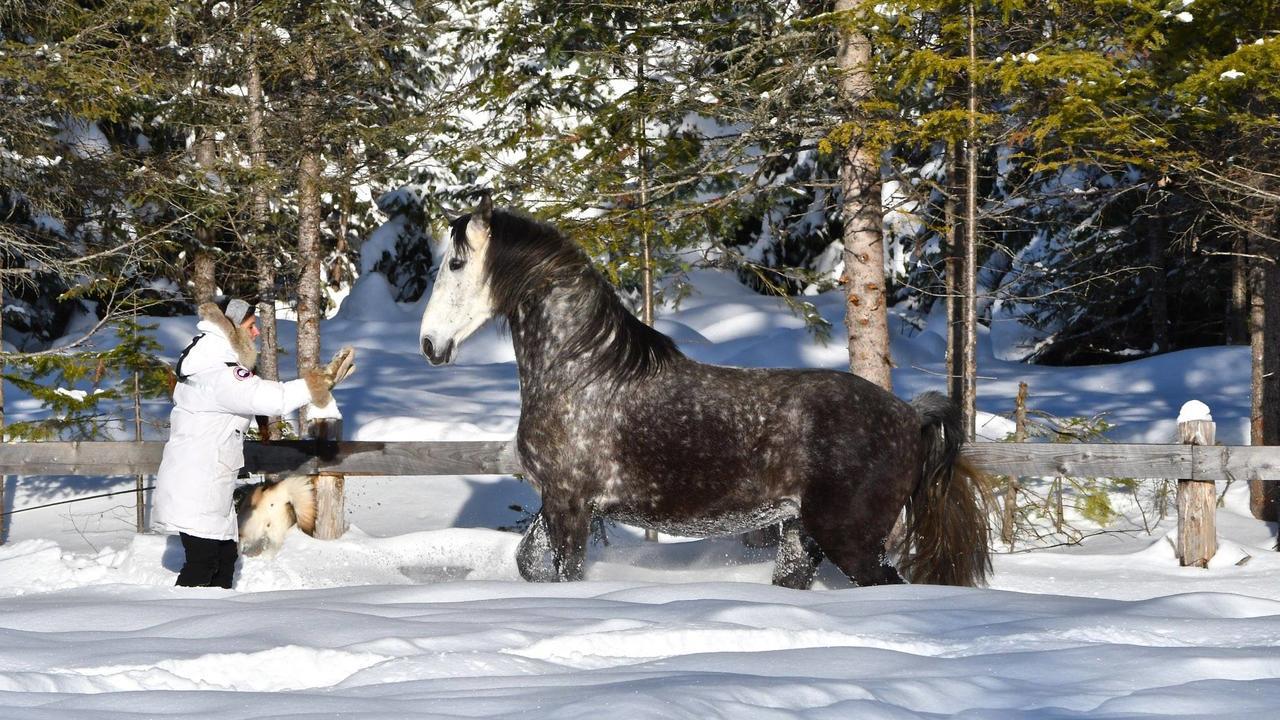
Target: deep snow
<point>418,611</point>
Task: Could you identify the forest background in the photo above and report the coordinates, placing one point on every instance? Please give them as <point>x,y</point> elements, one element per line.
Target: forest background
<point>1103,175</point>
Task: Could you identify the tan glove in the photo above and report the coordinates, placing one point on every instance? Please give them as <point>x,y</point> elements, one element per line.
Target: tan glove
<point>320,381</point>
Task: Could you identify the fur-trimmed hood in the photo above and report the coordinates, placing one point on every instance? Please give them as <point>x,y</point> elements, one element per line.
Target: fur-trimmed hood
<point>212,320</point>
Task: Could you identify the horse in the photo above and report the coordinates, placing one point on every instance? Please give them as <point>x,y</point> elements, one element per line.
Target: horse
<point>616,422</point>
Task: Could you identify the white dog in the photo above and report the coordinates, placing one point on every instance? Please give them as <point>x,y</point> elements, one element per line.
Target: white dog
<point>268,509</point>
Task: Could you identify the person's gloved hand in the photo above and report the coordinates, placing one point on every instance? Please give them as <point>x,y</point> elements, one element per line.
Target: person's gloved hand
<point>321,380</point>
<point>342,364</point>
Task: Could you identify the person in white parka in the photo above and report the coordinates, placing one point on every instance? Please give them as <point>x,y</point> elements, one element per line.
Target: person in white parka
<point>216,397</point>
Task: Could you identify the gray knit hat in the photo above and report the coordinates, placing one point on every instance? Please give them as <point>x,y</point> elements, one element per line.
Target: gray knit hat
<point>237,310</point>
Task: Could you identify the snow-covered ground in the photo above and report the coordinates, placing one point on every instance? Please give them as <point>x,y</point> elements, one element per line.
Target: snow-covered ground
<point>419,611</point>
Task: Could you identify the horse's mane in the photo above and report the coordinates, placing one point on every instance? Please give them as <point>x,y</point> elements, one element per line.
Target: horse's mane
<point>527,257</point>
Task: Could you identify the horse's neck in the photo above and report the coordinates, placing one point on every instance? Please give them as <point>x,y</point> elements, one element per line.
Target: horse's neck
<point>547,334</point>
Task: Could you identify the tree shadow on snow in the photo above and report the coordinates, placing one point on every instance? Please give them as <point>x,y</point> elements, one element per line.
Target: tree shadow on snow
<point>489,504</point>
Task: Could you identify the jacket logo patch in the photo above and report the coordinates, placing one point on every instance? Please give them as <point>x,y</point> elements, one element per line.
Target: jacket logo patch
<point>243,373</point>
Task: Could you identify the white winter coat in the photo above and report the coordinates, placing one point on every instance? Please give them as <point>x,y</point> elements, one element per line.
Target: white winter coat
<point>214,401</point>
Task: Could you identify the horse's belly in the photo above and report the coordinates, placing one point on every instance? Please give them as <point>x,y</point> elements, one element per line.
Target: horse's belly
<point>721,522</point>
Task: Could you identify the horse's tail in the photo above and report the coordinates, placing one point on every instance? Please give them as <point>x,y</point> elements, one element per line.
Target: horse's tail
<point>948,537</point>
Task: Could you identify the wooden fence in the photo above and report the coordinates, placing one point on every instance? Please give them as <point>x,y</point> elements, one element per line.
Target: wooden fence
<point>497,457</point>
<point>1196,466</point>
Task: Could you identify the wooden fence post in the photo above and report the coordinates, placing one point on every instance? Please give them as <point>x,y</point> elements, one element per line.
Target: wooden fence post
<point>331,505</point>
<point>1197,499</point>
<point>1008,525</point>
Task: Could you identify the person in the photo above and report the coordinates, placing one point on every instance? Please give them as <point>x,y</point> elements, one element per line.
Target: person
<point>215,398</point>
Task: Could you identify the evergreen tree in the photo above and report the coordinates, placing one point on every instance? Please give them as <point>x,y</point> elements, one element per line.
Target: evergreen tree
<point>688,124</point>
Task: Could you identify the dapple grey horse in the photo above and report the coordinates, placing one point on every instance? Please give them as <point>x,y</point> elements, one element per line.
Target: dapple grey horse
<point>616,422</point>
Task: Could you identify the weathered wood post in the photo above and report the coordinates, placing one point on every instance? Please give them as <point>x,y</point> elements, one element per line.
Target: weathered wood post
<point>1008,525</point>
<point>325,424</point>
<point>1197,499</point>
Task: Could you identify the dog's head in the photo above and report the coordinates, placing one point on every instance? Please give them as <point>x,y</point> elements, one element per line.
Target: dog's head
<point>267,510</point>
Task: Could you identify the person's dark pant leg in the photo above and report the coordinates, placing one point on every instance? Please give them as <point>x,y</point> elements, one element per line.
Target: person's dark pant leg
<point>226,570</point>
<point>201,562</point>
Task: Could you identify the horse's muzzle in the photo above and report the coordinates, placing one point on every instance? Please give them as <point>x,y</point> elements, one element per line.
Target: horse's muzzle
<point>441,357</point>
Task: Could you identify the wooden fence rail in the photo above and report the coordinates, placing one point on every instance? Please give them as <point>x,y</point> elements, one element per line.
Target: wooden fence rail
<point>1196,467</point>
<point>497,457</point>
<point>300,457</point>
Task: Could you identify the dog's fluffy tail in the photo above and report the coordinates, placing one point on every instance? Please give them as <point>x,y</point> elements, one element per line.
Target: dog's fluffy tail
<point>302,496</point>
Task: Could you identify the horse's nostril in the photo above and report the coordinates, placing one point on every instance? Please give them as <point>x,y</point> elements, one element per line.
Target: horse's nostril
<point>426,347</point>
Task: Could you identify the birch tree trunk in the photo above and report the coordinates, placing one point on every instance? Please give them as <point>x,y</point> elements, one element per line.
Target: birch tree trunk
<point>866,316</point>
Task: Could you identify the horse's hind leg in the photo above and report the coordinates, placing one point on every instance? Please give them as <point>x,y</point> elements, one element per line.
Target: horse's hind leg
<point>853,538</point>
<point>531,556</point>
<point>798,557</point>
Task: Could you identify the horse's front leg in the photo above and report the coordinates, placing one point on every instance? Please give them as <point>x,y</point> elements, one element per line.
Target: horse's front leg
<point>531,556</point>
<point>568,526</point>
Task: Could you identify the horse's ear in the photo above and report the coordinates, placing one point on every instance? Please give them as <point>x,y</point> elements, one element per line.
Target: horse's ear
<point>485,211</point>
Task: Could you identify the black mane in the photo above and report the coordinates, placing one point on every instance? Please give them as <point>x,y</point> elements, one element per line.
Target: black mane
<point>528,257</point>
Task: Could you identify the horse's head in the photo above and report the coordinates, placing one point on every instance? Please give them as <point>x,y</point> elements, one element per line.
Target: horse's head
<point>460,301</point>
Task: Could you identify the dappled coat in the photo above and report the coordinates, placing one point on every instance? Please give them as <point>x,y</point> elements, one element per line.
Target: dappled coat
<point>215,399</point>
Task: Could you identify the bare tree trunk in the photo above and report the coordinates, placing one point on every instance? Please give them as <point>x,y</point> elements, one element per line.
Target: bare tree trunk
<point>1237,321</point>
<point>139,481</point>
<point>330,505</point>
<point>1156,243</point>
<point>1264,425</point>
<point>259,244</point>
<point>338,268</point>
<point>1271,377</point>
<point>309,291</point>
<point>954,269</point>
<point>344,199</point>
<point>203,279</point>
<point>1264,416</point>
<point>1257,326</point>
<point>866,315</point>
<point>1159,294</point>
<point>969,346</point>
<point>646,249</point>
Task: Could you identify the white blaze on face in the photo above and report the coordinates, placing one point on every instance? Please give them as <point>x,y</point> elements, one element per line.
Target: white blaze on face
<point>460,301</point>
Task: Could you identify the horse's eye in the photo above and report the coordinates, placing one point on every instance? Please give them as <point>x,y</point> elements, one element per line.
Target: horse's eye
<point>456,264</point>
